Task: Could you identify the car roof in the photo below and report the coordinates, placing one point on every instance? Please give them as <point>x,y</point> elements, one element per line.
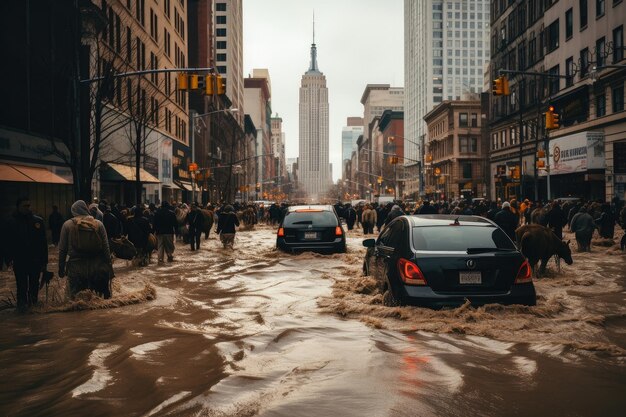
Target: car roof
<point>417,220</point>
<point>322,207</point>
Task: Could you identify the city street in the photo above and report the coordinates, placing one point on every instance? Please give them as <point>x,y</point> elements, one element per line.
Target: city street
<point>259,332</point>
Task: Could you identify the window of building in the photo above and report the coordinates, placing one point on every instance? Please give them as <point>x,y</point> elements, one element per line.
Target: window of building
<point>569,71</point>
<point>584,62</point>
<point>618,44</point>
<point>569,23</point>
<point>553,35</point>
<point>600,51</point>
<point>583,13</point>
<point>220,7</point>
<point>140,11</point>
<point>462,119</point>
<point>221,69</point>
<point>599,8</point>
<point>555,82</point>
<point>466,169</point>
<point>154,25</point>
<point>474,120</point>
<point>618,98</point>
<point>600,105</point>
<point>166,8</point>
<point>221,32</point>
<point>221,57</point>
<point>468,145</point>
<point>221,20</point>
<point>221,44</point>
<point>167,42</point>
<point>532,51</point>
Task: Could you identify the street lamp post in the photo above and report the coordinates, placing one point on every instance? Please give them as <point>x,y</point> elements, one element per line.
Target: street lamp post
<point>192,120</point>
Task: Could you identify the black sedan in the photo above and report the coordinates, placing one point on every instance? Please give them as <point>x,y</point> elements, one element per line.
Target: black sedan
<point>442,260</point>
<point>314,227</point>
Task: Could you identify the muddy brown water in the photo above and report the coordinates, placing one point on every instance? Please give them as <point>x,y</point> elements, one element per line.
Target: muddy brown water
<point>259,332</point>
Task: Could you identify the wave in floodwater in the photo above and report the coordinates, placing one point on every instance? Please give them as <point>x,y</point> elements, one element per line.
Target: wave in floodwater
<point>570,310</point>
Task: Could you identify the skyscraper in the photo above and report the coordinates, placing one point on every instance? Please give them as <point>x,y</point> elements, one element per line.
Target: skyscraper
<point>446,44</point>
<point>313,162</point>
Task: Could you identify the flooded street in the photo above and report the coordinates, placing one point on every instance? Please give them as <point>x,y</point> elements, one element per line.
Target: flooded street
<point>259,332</point>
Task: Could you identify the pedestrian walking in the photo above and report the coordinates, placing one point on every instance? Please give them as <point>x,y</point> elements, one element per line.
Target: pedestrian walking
<point>165,224</point>
<point>226,223</point>
<point>55,222</point>
<point>84,253</point>
<point>507,220</point>
<point>138,229</point>
<point>395,211</point>
<point>350,214</point>
<point>556,219</point>
<point>27,252</point>
<point>606,222</point>
<point>195,220</point>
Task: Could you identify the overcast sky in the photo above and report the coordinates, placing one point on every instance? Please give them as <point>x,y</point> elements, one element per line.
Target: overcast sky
<point>359,42</point>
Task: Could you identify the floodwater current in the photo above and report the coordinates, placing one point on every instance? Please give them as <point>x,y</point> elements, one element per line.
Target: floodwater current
<point>258,332</point>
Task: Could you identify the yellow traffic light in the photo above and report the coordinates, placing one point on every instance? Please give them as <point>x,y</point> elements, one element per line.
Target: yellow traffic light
<point>183,83</point>
<point>393,160</point>
<point>541,153</point>
<point>437,171</point>
<point>221,85</point>
<point>553,119</point>
<point>380,180</point>
<point>208,85</point>
<point>541,163</point>
<point>500,86</point>
<point>193,82</point>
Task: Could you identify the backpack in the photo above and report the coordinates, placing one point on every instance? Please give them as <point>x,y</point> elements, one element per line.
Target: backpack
<point>85,237</point>
<point>123,248</point>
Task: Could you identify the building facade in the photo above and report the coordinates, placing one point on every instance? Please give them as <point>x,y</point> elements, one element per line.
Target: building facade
<point>258,105</point>
<point>349,135</point>
<point>577,52</point>
<point>446,45</point>
<point>313,165</point>
<point>454,151</point>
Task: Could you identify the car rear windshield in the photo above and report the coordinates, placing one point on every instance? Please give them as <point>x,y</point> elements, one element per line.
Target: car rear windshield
<point>460,238</point>
<point>315,218</point>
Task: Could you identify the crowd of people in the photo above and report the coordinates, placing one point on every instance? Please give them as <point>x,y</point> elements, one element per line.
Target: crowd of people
<point>94,233</point>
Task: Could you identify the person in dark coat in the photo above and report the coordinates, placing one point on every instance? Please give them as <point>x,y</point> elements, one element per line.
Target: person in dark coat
<point>426,208</point>
<point>27,251</point>
<point>556,219</point>
<point>165,225</point>
<point>350,214</point>
<point>395,211</point>
<point>507,220</point>
<point>381,215</point>
<point>138,233</point>
<point>112,224</point>
<point>606,222</point>
<point>195,220</point>
<point>226,223</point>
<point>55,222</point>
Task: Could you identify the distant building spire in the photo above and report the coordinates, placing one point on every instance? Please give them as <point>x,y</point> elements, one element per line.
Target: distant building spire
<point>313,66</point>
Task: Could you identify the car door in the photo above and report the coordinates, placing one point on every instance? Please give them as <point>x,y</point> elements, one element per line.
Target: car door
<point>390,246</point>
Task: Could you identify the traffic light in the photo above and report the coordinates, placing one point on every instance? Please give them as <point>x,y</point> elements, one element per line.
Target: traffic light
<point>552,119</point>
<point>208,85</point>
<point>380,180</point>
<point>221,85</point>
<point>193,82</point>
<point>183,82</point>
<point>393,160</point>
<point>500,86</point>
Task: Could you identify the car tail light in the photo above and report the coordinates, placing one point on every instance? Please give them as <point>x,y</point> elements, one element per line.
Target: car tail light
<point>410,273</point>
<point>281,232</point>
<point>338,231</point>
<point>525,274</point>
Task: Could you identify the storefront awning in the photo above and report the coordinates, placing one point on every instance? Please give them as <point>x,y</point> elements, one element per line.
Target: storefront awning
<point>23,173</point>
<point>184,185</point>
<point>119,173</point>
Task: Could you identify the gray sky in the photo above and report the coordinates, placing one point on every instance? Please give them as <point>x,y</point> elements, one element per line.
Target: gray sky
<point>359,42</point>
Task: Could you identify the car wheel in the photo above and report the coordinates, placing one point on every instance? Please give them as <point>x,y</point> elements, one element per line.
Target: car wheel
<point>390,300</point>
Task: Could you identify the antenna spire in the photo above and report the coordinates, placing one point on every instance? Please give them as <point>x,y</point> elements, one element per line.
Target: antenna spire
<point>313,26</point>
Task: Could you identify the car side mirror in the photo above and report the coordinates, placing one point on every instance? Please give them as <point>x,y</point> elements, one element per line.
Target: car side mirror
<point>369,243</point>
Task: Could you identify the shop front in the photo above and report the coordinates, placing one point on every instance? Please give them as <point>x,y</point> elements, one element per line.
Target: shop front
<point>181,158</point>
<point>576,166</point>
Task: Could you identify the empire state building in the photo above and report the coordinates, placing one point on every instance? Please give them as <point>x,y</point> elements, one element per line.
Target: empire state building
<point>313,167</point>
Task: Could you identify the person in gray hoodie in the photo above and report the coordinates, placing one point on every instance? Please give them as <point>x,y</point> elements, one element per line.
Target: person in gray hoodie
<point>84,253</point>
<point>583,226</point>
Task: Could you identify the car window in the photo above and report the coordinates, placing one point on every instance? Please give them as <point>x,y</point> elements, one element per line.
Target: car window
<point>315,218</point>
<point>397,236</point>
<point>459,238</point>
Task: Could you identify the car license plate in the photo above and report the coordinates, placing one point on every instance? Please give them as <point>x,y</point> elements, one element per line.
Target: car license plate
<point>470,277</point>
<point>310,235</point>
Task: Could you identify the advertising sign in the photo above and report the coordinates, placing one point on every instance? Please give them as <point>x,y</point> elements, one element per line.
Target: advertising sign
<point>576,153</point>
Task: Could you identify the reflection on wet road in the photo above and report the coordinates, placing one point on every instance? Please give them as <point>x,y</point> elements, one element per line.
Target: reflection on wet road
<point>258,332</point>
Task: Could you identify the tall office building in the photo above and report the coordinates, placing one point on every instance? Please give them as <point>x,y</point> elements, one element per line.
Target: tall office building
<point>229,50</point>
<point>446,43</point>
<point>313,168</point>
<point>349,135</point>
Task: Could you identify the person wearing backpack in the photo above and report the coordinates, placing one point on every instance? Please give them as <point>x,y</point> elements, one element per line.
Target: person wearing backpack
<point>84,253</point>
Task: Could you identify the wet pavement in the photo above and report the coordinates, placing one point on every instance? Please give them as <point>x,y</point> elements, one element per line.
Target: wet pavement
<point>258,332</point>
